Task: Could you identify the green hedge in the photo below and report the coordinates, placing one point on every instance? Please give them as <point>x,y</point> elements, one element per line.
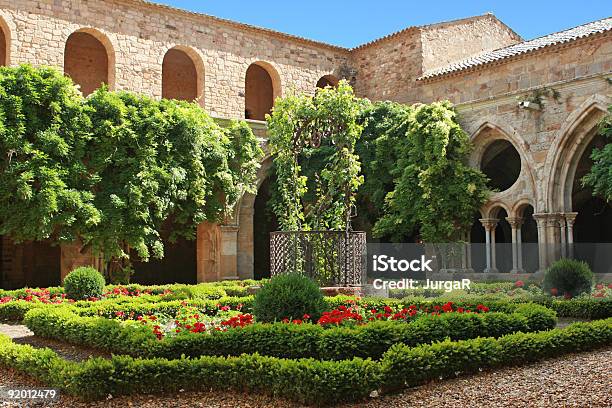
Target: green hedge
<point>306,380</point>
<point>285,340</point>
<point>403,365</point>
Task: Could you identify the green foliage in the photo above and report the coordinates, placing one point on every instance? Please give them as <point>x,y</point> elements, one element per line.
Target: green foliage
<point>44,134</point>
<point>435,192</point>
<point>306,380</point>
<point>83,283</point>
<point>298,124</point>
<point>403,366</point>
<point>599,177</point>
<point>284,340</point>
<point>289,296</point>
<point>568,276</point>
<point>117,170</point>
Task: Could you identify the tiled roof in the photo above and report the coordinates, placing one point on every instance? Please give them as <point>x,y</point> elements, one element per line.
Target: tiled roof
<point>488,57</point>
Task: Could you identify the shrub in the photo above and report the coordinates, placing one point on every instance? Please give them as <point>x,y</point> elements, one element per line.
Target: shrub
<point>568,277</point>
<point>84,283</point>
<point>288,296</point>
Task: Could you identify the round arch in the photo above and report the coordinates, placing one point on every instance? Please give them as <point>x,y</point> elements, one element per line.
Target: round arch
<point>262,85</point>
<point>89,59</point>
<point>566,150</point>
<point>183,74</point>
<point>495,208</point>
<point>328,80</point>
<point>5,41</point>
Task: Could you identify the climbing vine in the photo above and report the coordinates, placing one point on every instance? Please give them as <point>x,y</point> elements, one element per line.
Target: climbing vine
<point>298,126</point>
<point>118,171</point>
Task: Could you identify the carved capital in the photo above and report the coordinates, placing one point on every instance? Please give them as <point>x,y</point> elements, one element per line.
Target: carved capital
<point>570,218</point>
<point>515,222</point>
<point>489,224</point>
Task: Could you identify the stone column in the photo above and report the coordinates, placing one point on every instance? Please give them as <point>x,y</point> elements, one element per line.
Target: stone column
<point>208,250</point>
<point>562,235</point>
<point>552,238</point>
<point>229,252</point>
<point>541,223</point>
<point>570,219</point>
<point>489,225</point>
<point>515,224</point>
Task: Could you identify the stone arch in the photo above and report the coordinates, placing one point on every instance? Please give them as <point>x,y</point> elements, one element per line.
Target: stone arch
<point>495,208</point>
<point>328,80</point>
<point>567,149</point>
<point>262,86</point>
<point>519,207</point>
<point>489,132</point>
<point>246,212</point>
<point>183,74</point>
<point>5,42</point>
<point>89,59</point>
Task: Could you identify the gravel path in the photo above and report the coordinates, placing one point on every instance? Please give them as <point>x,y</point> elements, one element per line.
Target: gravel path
<point>575,380</point>
<point>22,335</point>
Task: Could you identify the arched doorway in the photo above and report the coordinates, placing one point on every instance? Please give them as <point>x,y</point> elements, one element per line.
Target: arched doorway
<point>264,222</point>
<point>501,163</point>
<point>5,45</point>
<point>87,61</point>
<point>181,76</point>
<point>30,264</point>
<point>261,88</point>
<point>327,80</point>
<point>179,264</point>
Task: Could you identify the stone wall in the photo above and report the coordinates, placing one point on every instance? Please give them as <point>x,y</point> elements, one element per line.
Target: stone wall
<point>137,35</point>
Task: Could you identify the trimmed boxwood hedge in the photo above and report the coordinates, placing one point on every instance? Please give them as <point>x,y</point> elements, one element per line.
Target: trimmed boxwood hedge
<point>306,380</point>
<point>285,340</point>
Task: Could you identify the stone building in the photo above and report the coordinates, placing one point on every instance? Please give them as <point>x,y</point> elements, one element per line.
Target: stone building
<point>531,108</point>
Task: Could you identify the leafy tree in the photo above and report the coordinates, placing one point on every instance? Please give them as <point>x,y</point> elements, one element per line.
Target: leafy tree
<point>424,151</point>
<point>599,177</point>
<point>45,192</point>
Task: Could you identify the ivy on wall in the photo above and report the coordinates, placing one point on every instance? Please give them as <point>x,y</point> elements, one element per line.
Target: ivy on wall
<point>115,169</point>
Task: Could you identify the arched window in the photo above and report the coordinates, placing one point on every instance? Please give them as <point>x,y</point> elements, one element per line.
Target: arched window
<point>87,61</point>
<point>182,77</point>
<point>261,87</point>
<point>501,163</point>
<point>327,80</point>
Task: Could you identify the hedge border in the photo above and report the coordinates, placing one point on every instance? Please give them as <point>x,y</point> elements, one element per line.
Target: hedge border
<point>306,381</point>
<point>285,340</point>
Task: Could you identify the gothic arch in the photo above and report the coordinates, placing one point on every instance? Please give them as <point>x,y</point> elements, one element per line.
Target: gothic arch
<point>183,74</point>
<point>489,132</point>
<point>262,84</point>
<point>89,59</point>
<point>567,149</point>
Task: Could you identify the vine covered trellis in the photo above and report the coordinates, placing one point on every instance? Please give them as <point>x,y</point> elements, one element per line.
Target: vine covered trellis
<point>300,122</point>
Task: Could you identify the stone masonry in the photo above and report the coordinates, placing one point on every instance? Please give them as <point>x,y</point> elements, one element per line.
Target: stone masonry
<point>478,63</point>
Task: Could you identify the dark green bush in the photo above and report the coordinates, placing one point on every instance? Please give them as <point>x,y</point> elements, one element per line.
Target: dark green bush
<point>83,283</point>
<point>568,277</point>
<point>285,340</point>
<point>288,296</point>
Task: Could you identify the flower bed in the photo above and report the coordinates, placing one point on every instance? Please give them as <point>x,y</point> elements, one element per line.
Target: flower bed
<point>304,380</point>
<point>232,333</point>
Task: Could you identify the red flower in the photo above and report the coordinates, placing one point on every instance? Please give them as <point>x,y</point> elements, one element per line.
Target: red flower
<point>519,284</point>
<point>554,291</point>
<point>599,286</point>
<point>567,295</point>
<point>388,309</point>
<point>306,316</point>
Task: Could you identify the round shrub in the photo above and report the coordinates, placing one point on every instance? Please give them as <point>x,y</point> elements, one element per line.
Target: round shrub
<point>84,283</point>
<point>288,297</point>
<point>568,277</point>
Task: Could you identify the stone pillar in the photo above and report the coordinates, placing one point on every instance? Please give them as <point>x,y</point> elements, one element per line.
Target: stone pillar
<point>515,224</point>
<point>208,246</point>
<point>562,235</point>
<point>552,238</point>
<point>73,256</point>
<point>489,225</point>
<point>229,252</point>
<point>570,219</point>
<point>542,241</point>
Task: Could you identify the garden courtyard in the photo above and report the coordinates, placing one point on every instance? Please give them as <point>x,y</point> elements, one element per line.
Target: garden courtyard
<point>198,212</point>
